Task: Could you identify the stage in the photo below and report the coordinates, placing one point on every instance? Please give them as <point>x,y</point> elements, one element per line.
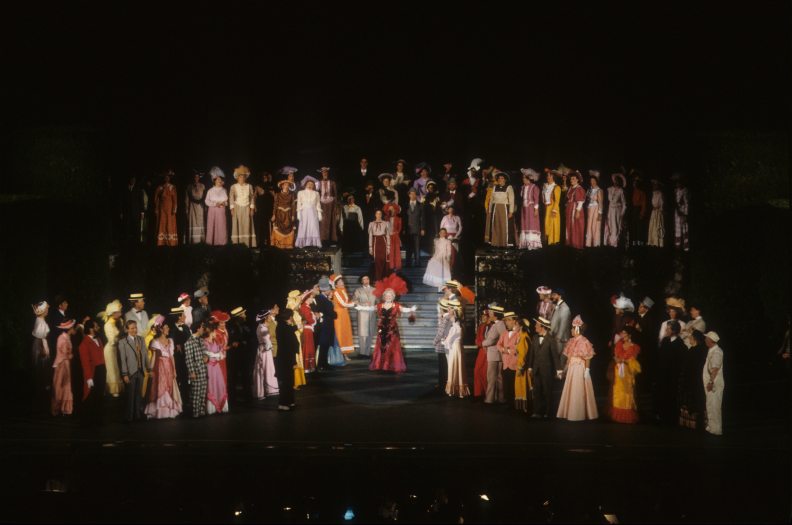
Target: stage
<point>366,441</point>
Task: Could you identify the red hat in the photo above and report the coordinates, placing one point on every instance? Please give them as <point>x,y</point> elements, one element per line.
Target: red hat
<point>220,316</point>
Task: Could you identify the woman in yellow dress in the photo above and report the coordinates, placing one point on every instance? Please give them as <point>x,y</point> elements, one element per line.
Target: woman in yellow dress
<point>343,324</point>
<point>293,301</point>
<point>112,328</point>
<point>521,378</point>
<point>623,370</point>
<point>551,196</point>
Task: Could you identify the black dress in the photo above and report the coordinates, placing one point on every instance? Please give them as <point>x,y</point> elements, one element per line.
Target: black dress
<point>261,220</point>
<point>353,233</point>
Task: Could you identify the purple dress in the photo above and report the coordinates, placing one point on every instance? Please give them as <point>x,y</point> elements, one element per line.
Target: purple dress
<point>530,236</point>
<point>216,228</point>
<point>309,213</point>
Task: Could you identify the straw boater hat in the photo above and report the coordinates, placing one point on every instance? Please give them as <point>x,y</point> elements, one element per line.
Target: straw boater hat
<point>532,175</point>
<point>620,177</point>
<point>182,297</point>
<point>543,290</point>
<point>136,297</point>
<point>241,170</point>
<point>308,179</point>
<point>454,305</point>
<point>215,172</point>
<point>67,324</point>
<point>334,279</point>
<point>542,321</point>
<point>177,310</point>
<point>443,304</point>
<point>40,308</point>
<point>675,302</point>
<point>238,312</point>
<point>509,315</point>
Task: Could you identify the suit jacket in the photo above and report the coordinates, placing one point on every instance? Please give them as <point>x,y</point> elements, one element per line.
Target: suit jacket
<point>545,355</point>
<point>288,347</point>
<point>127,359</point>
<point>491,340</point>
<point>414,218</point>
<point>459,197</point>
<point>326,327</point>
<point>561,323</point>
<point>56,318</point>
<point>369,205</point>
<point>199,313</point>
<point>142,322</point>
<point>91,356</point>
<point>180,334</point>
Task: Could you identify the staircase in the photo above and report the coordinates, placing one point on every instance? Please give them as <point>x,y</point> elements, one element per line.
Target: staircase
<point>418,336</point>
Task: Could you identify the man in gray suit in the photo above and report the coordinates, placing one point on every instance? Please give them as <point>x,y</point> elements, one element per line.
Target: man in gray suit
<point>413,212</point>
<point>494,364</point>
<point>543,365</point>
<point>137,313</point>
<point>133,360</point>
<point>561,322</point>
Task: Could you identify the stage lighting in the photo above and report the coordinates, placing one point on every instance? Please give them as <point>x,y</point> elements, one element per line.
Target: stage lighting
<point>349,515</point>
<point>484,497</point>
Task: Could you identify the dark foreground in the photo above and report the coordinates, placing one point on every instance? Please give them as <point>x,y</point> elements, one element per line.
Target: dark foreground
<point>363,447</point>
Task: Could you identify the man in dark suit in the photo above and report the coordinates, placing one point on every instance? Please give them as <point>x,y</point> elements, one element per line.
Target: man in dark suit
<point>325,327</point>
<point>543,365</point>
<point>201,311</point>
<point>413,218</point>
<point>133,361</point>
<point>134,203</point>
<point>369,204</point>
<point>240,364</point>
<point>180,333</point>
<point>57,317</point>
<point>455,195</point>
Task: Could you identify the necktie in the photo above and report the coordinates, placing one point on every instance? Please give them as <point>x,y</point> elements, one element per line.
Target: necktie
<point>137,353</point>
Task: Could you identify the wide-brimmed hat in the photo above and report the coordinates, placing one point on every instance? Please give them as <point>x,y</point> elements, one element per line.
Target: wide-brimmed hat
<point>543,290</point>
<point>262,315</point>
<point>323,168</point>
<point>41,307</point>
<point>219,316</point>
<point>620,177</point>
<point>67,324</point>
<point>113,307</point>
<point>241,170</point>
<point>423,166</point>
<point>215,172</point>
<point>502,174</point>
<point>594,173</point>
<point>385,176</point>
<point>308,179</point>
<point>285,170</point>
<point>624,303</point>
<point>577,321</point>
<point>182,297</point>
<point>430,182</point>
<point>136,297</point>
<point>532,174</point>
<point>475,164</point>
<point>542,321</point>
<point>284,181</point>
<point>675,302</point>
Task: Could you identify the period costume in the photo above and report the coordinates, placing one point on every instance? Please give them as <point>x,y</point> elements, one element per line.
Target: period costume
<point>195,354</point>
<point>165,204</point>
<point>691,391</point>
<point>216,392</point>
<point>594,217</point>
<point>657,221</point>
<point>499,231</point>
<point>681,197</point>
<point>443,328</point>
<point>507,346</point>
<point>194,207</point>
<point>343,325</point>
<point>325,329</point>
<point>94,377</point>
<point>328,196</point>
<point>577,398</point>
<point>543,365</point>
<point>624,369</point>
<point>494,365</point>
<point>414,218</point>
<point>669,362</point>
<point>560,325</point>
<point>617,206</point>
<point>367,319</point>
<point>283,214</point>
<point>308,340</point>
<point>264,205</point>
<point>530,229</point>
<point>379,247</point>
<point>551,196</point>
<point>388,355</point>
<point>480,369</point>
<point>575,217</point>
<point>242,203</point>
<point>391,213</point>
<point>288,348</point>
<point>133,360</point>
<point>164,397</point>
<point>134,205</point>
<point>438,271</point>
<point>41,356</point>
<point>638,213</point>
<point>265,382</point>
<point>62,395</point>
<point>521,378</point>
<point>309,215</point>
<point>457,378</point>
<point>715,394</point>
<point>352,228</point>
<point>216,224</point>
<point>112,331</point>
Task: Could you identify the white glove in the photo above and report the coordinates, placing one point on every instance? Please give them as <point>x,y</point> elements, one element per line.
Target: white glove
<point>471,195</point>
<point>90,383</point>
<point>559,373</point>
<point>530,370</point>
<point>587,374</point>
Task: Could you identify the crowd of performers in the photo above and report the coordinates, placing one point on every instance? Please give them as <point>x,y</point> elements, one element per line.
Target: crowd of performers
<point>522,209</point>
<point>197,359</point>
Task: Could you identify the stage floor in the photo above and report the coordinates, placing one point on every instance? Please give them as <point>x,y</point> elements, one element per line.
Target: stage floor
<point>367,441</point>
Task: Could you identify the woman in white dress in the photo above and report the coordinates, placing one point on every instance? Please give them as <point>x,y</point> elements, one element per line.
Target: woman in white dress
<point>456,385</point>
<point>309,213</point>
<point>438,271</point>
<point>656,219</point>
<point>617,206</point>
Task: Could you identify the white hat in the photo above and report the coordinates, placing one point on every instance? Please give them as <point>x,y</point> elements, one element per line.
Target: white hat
<point>287,169</point>
<point>647,302</point>
<point>475,164</point>
<point>308,179</point>
<point>216,172</point>
<point>39,308</point>
<point>624,303</point>
<point>713,336</point>
<point>530,173</point>
<point>543,290</point>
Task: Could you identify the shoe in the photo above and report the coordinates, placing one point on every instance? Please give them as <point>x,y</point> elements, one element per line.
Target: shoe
<point>284,408</point>
<point>536,416</point>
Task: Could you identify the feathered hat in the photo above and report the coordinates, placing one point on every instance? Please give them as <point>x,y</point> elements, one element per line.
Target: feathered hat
<point>393,283</point>
<point>111,308</point>
<point>532,175</point>
<point>215,172</point>
<point>241,170</point>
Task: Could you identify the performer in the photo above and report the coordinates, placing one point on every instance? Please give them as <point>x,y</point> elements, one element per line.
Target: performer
<point>326,326</point>
<point>341,305</point>
<point>181,334</point>
<point>494,364</point>
<point>670,357</point>
<point>507,346</point>
<point>264,380</point>
<point>137,312</point>
<point>551,196</point>
<point>656,220</point>
<point>638,212</point>
<point>560,323</point>
<point>423,170</point>
<point>682,200</point>
<point>443,328</point>
<point>577,398</point>
<point>367,322</point>
<point>216,392</point>
<point>164,396</point>
<point>388,354</point>
<point>369,204</point>
<point>452,224</point>
<point>457,384</point>
<point>330,212</point>
<point>530,238</point>
<point>545,307</point>
<point>521,384</point>
<point>309,215</point>
<point>480,369</point>
<point>432,211</point>
<point>379,244</point>
<point>165,206</point>
<point>219,320</point>
<point>242,203</point>
<point>543,364</point>
<point>113,326</point>
<point>308,322</point>
<point>284,214</point>
<point>202,311</point>
<point>438,271</point>
<point>241,356</point>
<point>195,354</point>
<point>62,396</point>
<point>40,356</point>
<point>575,218</point>
<point>134,205</point>
<point>387,193</point>
<point>184,308</point>
<point>287,357</point>
<point>691,394</point>
<point>623,372</point>
<point>616,210</point>
<point>194,210</point>
<point>453,196</point>
<point>499,228</point>
<point>265,202</point>
<point>94,374</point>
<point>594,211</point>
<point>675,309</point>
<point>216,203</point>
<point>391,212</point>
<point>714,384</point>
<point>133,360</point>
<point>414,216</point>
<point>401,181</point>
<point>352,226</point>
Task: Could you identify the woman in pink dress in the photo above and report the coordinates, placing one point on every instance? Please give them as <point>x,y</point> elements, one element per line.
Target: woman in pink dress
<point>530,231</point>
<point>388,355</point>
<point>164,399</point>
<point>577,398</point>
<point>62,397</point>
<point>216,391</point>
<point>264,381</point>
<point>216,205</point>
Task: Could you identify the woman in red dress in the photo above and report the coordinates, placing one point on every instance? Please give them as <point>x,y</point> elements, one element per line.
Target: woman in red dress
<point>388,354</point>
<point>392,211</point>
<point>480,371</point>
<point>309,323</point>
<point>165,205</point>
<point>575,214</point>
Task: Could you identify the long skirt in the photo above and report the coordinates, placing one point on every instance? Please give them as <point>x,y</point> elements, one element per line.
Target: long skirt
<point>456,385</point>
<point>438,272</point>
<point>216,229</point>
<point>164,399</point>
<point>329,224</point>
<point>613,229</point>
<point>593,227</point>
<point>394,258</point>
<point>308,350</point>
<point>521,391</point>
<point>264,380</point>
<point>195,223</point>
<point>390,359</point>
<point>166,230</point>
<point>498,228</point>
<point>343,330</point>
<point>623,408</point>
<point>575,228</point>
<point>681,231</point>
<point>62,395</point>
<point>299,371</point>
<point>656,229</point>
<point>530,236</point>
<point>714,406</point>
<point>480,374</point>
<point>552,226</point>
<point>242,227</point>
<point>285,242</point>
<point>577,398</point>
<point>308,233</point>
<point>114,384</point>
<point>380,259</point>
<point>216,391</point>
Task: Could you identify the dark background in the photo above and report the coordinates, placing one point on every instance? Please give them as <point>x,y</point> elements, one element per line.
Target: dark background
<point>93,93</point>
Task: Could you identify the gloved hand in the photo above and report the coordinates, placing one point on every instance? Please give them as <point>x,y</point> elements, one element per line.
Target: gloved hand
<point>559,373</point>
<point>587,374</point>
<point>90,383</point>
